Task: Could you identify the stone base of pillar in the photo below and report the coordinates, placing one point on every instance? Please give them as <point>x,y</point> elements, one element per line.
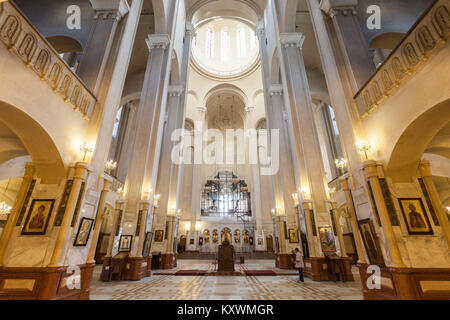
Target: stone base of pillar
<point>284,261</point>
<point>408,284</point>
<point>168,261</point>
<point>45,283</point>
<point>348,269</point>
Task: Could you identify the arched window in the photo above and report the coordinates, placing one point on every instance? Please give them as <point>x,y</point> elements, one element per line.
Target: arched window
<point>252,39</point>
<point>225,46</point>
<point>242,43</point>
<point>209,43</point>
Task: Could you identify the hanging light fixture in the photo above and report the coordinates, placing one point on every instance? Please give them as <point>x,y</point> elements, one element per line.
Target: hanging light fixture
<point>5,208</point>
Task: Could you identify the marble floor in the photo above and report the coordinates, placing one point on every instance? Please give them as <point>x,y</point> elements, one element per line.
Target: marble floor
<point>163,285</point>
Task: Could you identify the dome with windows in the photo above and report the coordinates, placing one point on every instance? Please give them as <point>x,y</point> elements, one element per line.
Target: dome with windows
<point>224,47</point>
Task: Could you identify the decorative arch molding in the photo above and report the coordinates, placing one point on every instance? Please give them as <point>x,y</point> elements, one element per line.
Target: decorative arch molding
<point>40,146</point>
<point>413,142</point>
<point>206,7</point>
<point>64,44</point>
<point>226,88</point>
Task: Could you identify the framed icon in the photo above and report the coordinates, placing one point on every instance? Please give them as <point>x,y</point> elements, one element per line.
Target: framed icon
<point>125,243</point>
<point>293,236</point>
<point>84,230</point>
<point>371,242</point>
<point>147,244</point>
<point>415,216</point>
<point>159,235</point>
<point>327,240</point>
<point>38,217</point>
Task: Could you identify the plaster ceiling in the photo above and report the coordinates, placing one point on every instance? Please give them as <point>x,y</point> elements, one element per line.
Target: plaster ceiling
<point>440,144</point>
<point>225,111</point>
<point>10,145</point>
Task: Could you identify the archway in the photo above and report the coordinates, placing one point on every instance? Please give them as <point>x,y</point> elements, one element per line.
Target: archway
<point>414,141</point>
<point>37,142</point>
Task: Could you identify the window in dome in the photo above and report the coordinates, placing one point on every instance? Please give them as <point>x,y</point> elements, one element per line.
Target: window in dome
<point>225,49</point>
<point>242,44</point>
<point>209,45</point>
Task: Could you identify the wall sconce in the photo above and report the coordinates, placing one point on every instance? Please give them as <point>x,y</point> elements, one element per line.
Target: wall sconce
<point>305,192</point>
<point>188,226</point>
<point>147,193</point>
<point>120,190</point>
<point>198,226</point>
<point>295,197</point>
<point>341,164</point>
<point>86,148</point>
<point>363,146</point>
<point>5,208</point>
<point>111,165</point>
<point>156,200</point>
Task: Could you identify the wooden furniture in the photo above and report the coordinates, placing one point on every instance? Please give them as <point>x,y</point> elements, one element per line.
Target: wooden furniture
<point>117,267</point>
<point>336,270</point>
<point>226,257</point>
<point>156,261</point>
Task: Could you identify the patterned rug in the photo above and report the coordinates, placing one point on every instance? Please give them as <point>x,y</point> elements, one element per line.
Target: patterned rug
<point>191,273</point>
<point>260,273</point>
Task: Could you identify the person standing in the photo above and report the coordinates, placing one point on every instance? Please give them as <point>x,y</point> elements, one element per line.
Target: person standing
<point>299,264</point>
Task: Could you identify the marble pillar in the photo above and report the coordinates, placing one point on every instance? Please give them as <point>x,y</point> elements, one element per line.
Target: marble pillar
<point>353,219</point>
<point>425,172</point>
<point>93,63</point>
<point>62,241</point>
<point>353,47</point>
<point>371,172</point>
<point>14,214</point>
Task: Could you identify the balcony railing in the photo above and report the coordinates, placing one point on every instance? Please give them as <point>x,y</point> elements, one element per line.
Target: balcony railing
<point>428,34</point>
<point>21,38</point>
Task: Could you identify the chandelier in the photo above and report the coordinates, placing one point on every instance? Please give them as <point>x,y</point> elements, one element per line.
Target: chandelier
<point>4,208</point>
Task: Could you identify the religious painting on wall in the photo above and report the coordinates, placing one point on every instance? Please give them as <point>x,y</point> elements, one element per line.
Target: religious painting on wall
<point>125,243</point>
<point>84,230</point>
<point>147,244</point>
<point>415,217</point>
<point>215,237</point>
<point>260,241</point>
<point>371,243</point>
<point>158,236</point>
<point>293,236</point>
<point>38,217</point>
<point>207,236</point>
<point>327,240</point>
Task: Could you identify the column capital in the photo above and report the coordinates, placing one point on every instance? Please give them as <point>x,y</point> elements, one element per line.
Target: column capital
<point>175,91</point>
<point>110,9</point>
<point>81,170</point>
<point>336,7</point>
<point>190,29</point>
<point>370,168</point>
<point>292,40</point>
<point>158,41</point>
<point>202,109</point>
<point>425,168</point>
<point>260,28</point>
<point>249,109</point>
<point>276,90</point>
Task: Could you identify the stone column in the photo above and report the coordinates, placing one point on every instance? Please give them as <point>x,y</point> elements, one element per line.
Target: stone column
<point>81,174</point>
<point>197,170</point>
<point>338,228</point>
<point>303,120</point>
<point>309,216</point>
<point>441,214</point>
<point>354,50</point>
<point>108,13</point>
<point>98,220</point>
<point>169,257</point>
<point>370,169</point>
<point>13,216</point>
<point>145,206</point>
<point>347,115</point>
<point>120,207</point>
<point>353,219</point>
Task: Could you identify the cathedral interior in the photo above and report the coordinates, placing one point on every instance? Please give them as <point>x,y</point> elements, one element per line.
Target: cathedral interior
<point>140,140</point>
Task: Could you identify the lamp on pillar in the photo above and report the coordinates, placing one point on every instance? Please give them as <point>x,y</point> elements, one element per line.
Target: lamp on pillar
<point>85,149</point>
<point>111,165</point>
<point>147,194</point>
<point>341,164</point>
<point>5,208</point>
<point>156,200</point>
<point>305,192</point>
<point>363,146</point>
<point>296,200</point>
